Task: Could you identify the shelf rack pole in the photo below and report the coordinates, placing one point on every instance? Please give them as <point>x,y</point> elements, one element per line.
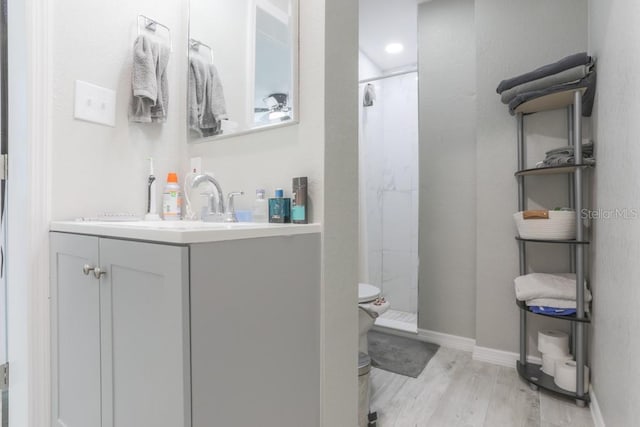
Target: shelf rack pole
<point>522,205</point>
<point>572,205</point>
<point>580,273</point>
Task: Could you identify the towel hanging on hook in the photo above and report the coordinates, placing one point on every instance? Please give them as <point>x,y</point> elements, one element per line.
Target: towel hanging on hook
<point>152,25</point>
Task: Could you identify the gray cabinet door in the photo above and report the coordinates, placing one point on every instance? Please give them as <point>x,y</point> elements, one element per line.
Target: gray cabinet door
<point>255,332</point>
<point>75,329</point>
<point>144,319</point>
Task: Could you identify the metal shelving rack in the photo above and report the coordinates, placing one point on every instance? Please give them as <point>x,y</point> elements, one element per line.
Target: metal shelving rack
<point>532,373</point>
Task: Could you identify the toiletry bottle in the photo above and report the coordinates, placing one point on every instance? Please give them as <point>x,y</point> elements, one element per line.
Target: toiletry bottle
<point>280,208</point>
<point>299,201</point>
<point>260,207</point>
<point>172,199</point>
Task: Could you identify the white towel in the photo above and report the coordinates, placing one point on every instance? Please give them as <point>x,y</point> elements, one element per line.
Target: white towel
<point>149,82</point>
<point>542,285</point>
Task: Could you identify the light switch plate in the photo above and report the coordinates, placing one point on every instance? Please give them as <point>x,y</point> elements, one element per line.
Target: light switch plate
<point>95,104</point>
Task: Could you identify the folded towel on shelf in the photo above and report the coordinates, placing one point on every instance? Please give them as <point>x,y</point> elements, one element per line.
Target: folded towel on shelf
<point>551,311</point>
<point>566,63</point>
<point>555,303</point>
<point>588,83</point>
<point>149,82</point>
<point>566,156</point>
<point>572,75</point>
<point>543,285</point>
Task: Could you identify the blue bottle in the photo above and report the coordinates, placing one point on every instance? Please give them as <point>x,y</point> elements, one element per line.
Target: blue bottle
<point>280,208</point>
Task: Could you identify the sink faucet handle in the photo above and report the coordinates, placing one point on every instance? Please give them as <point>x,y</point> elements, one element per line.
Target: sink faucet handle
<point>231,211</point>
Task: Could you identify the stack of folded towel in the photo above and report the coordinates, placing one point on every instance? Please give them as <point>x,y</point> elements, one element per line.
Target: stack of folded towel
<point>565,156</point>
<point>553,294</point>
<point>207,107</point>
<point>149,82</point>
<point>573,72</point>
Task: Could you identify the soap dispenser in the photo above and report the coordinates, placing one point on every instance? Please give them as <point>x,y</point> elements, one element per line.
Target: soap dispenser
<point>260,211</point>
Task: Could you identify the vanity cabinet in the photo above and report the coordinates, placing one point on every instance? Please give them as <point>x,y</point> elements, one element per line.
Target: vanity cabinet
<point>119,334</point>
<point>185,334</point>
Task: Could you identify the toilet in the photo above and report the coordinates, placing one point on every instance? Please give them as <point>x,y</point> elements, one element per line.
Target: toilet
<point>369,309</point>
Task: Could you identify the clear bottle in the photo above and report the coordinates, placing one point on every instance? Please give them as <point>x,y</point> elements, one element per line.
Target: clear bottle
<point>172,199</point>
<point>260,211</point>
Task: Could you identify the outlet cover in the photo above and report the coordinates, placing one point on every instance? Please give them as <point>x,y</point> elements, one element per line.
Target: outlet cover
<point>196,165</point>
<point>95,104</point>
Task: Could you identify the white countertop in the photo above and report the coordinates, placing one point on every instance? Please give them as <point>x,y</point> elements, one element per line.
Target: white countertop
<point>183,232</point>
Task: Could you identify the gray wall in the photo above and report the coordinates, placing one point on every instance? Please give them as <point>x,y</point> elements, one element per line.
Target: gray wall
<point>340,236</point>
<point>447,59</point>
<point>615,347</point>
<point>515,36</point>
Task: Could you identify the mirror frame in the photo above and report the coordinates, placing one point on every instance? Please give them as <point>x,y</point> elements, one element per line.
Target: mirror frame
<point>295,84</point>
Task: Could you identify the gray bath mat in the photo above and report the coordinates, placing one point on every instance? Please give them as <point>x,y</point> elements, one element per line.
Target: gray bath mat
<point>399,355</point>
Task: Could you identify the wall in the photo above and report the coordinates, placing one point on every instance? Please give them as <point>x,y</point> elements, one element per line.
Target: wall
<point>340,238</point>
<point>389,158</point>
<point>515,36</point>
<point>447,167</point>
<point>98,168</point>
<point>615,348</point>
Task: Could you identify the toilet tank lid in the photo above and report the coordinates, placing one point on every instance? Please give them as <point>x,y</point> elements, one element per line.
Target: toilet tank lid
<point>367,292</point>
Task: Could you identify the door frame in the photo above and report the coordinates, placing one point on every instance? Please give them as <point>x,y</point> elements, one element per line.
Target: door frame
<point>30,98</point>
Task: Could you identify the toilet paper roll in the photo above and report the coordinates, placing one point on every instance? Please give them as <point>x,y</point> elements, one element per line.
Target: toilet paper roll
<point>566,375</point>
<point>554,343</point>
<point>549,363</point>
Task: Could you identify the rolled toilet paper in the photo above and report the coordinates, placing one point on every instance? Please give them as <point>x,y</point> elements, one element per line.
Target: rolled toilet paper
<point>554,343</point>
<point>549,363</point>
<point>566,374</point>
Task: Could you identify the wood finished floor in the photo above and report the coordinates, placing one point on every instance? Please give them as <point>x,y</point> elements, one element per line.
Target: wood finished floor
<point>454,390</point>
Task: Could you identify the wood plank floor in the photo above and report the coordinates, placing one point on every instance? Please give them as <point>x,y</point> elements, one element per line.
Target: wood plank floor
<point>454,390</point>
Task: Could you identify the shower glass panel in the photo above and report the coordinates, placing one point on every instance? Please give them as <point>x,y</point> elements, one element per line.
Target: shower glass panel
<point>389,192</point>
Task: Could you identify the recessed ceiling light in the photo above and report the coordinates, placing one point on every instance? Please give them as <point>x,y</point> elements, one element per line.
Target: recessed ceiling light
<point>394,48</point>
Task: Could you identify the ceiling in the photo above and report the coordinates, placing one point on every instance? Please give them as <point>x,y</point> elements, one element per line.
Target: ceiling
<point>389,21</point>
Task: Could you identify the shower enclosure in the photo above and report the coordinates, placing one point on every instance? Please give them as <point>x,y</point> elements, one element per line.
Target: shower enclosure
<point>388,149</point>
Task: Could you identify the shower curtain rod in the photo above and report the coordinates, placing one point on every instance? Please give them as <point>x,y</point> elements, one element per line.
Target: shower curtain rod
<point>386,76</point>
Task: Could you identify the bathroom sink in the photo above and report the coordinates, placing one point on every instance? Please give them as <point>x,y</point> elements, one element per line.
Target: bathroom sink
<point>182,232</point>
<point>182,225</point>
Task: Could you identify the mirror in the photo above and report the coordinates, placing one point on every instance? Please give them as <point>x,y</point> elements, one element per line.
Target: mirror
<point>243,67</point>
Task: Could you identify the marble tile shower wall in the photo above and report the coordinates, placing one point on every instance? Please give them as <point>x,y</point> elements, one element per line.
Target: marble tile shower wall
<point>390,161</point>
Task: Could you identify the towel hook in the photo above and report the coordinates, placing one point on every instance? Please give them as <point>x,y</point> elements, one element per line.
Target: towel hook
<point>195,45</point>
<point>152,25</point>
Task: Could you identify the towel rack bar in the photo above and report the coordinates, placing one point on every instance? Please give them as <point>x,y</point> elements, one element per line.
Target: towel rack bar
<point>151,24</point>
<point>195,45</point>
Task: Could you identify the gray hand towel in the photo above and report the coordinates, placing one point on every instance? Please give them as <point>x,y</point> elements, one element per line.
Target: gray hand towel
<point>161,107</point>
<point>564,64</point>
<point>149,82</point>
<point>197,88</point>
<point>572,75</point>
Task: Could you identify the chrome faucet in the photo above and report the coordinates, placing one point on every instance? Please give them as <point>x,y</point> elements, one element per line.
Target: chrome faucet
<point>216,211</point>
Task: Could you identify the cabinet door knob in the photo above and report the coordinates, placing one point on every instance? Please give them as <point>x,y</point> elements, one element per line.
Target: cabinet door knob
<point>98,272</point>
<point>86,269</point>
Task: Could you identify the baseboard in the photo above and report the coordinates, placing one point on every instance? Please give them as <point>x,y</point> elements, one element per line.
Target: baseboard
<point>445,340</point>
<point>500,357</point>
<point>598,421</point>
